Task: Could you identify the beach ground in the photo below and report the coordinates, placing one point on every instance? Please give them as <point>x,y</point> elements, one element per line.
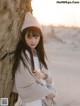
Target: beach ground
<point>64,64</point>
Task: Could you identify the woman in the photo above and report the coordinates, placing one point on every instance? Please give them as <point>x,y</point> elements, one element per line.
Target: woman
<point>30,69</point>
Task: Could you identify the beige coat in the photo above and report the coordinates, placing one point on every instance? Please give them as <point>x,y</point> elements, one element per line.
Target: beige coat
<point>26,85</point>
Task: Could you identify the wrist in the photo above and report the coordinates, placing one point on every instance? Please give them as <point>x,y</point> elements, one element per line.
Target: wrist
<point>45,76</point>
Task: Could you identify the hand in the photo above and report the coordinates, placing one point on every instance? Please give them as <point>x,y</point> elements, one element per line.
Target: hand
<point>39,74</point>
<point>50,96</point>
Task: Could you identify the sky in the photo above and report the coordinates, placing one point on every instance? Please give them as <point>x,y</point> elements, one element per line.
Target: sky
<point>49,12</point>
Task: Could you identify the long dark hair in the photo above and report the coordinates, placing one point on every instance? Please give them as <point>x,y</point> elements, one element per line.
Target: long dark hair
<point>22,46</point>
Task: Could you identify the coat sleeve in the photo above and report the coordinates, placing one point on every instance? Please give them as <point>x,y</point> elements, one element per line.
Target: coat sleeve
<point>49,80</point>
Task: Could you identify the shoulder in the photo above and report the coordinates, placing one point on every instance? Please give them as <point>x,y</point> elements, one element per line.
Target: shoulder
<point>27,54</point>
<point>25,58</point>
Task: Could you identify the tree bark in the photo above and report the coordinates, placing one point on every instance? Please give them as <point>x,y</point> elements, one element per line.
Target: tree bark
<point>12,14</point>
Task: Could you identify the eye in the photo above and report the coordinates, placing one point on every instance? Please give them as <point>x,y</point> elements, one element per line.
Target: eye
<point>30,37</point>
<point>36,37</point>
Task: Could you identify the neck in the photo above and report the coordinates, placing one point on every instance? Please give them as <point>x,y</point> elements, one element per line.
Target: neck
<point>32,51</point>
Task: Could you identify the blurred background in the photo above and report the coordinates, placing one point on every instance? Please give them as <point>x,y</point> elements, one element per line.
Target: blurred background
<point>61,27</point>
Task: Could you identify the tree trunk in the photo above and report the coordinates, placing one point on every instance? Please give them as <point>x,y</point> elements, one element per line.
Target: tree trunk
<point>12,14</point>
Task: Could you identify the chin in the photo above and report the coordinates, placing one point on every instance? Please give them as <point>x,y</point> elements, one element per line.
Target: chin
<point>33,47</point>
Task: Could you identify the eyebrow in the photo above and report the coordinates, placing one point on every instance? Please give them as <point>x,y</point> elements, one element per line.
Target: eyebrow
<point>34,34</point>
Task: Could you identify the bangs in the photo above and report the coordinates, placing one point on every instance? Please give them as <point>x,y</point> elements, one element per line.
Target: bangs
<point>33,34</point>
<point>31,31</point>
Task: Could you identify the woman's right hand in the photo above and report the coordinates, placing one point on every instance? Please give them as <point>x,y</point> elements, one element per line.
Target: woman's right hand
<point>40,74</point>
<point>50,96</point>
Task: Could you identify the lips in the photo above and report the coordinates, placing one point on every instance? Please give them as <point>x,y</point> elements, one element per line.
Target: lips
<point>32,44</point>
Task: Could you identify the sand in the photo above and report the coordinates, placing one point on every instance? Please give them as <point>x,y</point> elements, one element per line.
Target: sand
<point>64,64</point>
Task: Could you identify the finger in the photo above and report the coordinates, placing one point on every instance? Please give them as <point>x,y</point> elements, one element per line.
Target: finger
<point>34,71</point>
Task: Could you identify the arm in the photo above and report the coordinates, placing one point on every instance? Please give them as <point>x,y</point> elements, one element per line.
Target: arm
<point>27,87</point>
<point>49,82</point>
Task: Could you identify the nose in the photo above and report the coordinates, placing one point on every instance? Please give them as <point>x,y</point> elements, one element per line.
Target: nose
<point>33,40</point>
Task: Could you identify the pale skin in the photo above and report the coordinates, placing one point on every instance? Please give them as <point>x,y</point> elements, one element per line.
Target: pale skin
<point>32,42</point>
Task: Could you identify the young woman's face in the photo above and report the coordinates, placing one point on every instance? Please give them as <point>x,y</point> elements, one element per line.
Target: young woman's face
<point>31,40</point>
